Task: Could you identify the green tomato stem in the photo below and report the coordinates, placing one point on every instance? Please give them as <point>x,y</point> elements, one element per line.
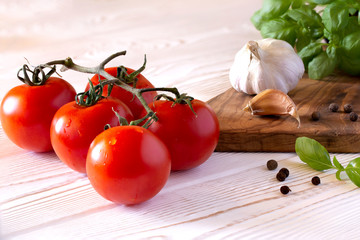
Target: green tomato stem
<point>135,91</point>
<point>68,63</point>
<point>172,90</point>
<point>149,118</point>
<point>35,80</point>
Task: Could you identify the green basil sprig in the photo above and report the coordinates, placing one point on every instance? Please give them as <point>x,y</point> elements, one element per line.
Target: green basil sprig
<point>317,157</point>
<point>326,33</point>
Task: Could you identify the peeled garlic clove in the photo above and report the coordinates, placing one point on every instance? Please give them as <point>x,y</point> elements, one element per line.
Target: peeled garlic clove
<point>272,102</point>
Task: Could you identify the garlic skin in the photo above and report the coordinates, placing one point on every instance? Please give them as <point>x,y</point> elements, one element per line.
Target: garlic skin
<point>266,64</point>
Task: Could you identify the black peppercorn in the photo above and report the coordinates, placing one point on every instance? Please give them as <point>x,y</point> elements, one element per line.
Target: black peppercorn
<point>285,189</point>
<point>353,116</point>
<point>334,107</point>
<point>348,108</point>
<point>315,116</point>
<point>271,164</point>
<point>281,176</point>
<point>285,171</point>
<point>315,180</point>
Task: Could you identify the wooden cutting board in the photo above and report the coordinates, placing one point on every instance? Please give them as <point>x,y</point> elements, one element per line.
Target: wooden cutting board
<point>241,131</point>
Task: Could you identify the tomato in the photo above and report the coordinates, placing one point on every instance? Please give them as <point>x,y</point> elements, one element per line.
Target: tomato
<point>75,126</point>
<point>128,164</point>
<point>127,97</point>
<point>27,111</point>
<point>190,138</point>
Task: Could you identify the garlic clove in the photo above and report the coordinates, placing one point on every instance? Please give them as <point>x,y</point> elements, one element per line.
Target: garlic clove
<point>272,102</point>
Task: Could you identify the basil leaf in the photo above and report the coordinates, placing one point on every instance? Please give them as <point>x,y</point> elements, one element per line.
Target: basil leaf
<point>311,5</point>
<point>327,34</point>
<point>353,171</point>
<point>351,45</point>
<point>321,66</point>
<point>331,51</point>
<point>280,29</point>
<point>297,4</point>
<point>317,33</point>
<point>335,17</point>
<point>257,19</point>
<point>352,27</point>
<point>303,40</point>
<point>337,164</point>
<point>313,153</point>
<point>350,65</point>
<point>310,51</point>
<point>306,17</point>
<point>275,8</point>
<point>338,176</point>
<point>322,2</point>
<point>350,54</point>
<point>271,9</point>
<point>334,38</point>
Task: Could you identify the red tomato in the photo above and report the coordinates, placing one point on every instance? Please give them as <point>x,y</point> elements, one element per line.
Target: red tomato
<point>128,164</point>
<point>74,127</point>
<point>27,111</point>
<point>127,97</point>
<point>190,138</point>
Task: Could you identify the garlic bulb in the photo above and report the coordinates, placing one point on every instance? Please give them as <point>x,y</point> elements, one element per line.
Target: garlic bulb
<point>266,64</point>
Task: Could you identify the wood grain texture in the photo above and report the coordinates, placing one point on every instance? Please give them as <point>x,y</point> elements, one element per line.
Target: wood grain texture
<point>241,131</point>
<point>190,45</point>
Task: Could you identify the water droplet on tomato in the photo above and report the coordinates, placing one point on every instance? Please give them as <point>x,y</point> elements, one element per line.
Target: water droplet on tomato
<point>68,123</point>
<point>112,141</point>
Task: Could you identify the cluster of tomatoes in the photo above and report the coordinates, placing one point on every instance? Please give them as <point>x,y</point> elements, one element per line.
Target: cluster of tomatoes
<point>126,164</point>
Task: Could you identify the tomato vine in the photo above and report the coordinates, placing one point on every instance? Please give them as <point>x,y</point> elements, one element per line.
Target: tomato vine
<point>121,80</point>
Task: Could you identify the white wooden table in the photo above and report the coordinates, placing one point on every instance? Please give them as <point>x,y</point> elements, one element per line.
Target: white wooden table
<point>190,45</point>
